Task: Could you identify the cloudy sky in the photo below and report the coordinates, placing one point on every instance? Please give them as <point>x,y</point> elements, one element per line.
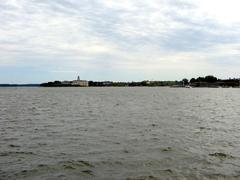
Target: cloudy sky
<point>43,40</point>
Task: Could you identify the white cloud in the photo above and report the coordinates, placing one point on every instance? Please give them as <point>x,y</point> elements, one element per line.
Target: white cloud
<point>151,36</point>
<point>224,11</point>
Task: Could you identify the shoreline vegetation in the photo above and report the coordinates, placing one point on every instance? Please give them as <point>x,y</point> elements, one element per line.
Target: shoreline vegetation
<point>207,81</point>
<point>200,82</point>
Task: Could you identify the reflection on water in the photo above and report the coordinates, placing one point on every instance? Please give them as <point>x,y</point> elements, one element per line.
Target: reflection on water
<point>119,133</point>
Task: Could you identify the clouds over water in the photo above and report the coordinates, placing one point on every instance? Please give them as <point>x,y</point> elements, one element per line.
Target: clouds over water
<point>130,39</point>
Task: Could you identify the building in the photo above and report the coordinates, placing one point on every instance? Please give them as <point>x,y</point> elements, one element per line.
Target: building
<point>66,83</point>
<point>107,83</point>
<point>81,83</point>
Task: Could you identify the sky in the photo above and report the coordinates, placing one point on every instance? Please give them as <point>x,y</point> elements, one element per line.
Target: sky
<point>127,40</point>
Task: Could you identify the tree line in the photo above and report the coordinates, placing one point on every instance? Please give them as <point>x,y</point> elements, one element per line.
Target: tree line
<point>207,81</point>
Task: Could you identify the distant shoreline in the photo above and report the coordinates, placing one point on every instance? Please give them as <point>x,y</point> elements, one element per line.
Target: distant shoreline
<point>19,85</point>
<point>200,82</point>
<point>171,87</point>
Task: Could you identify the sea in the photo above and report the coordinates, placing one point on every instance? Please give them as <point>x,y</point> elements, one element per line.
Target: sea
<point>122,133</point>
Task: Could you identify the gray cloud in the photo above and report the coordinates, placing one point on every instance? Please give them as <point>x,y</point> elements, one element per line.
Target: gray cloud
<point>122,35</point>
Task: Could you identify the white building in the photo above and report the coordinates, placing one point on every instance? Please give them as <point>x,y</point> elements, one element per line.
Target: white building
<point>81,83</point>
<point>66,82</point>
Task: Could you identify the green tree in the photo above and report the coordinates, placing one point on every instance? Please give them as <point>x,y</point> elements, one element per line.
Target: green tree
<point>185,81</point>
<point>210,79</point>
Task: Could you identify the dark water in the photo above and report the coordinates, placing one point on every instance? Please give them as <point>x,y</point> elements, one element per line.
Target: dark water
<point>119,133</point>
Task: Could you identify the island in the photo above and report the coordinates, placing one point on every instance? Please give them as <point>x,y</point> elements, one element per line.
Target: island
<point>209,81</point>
